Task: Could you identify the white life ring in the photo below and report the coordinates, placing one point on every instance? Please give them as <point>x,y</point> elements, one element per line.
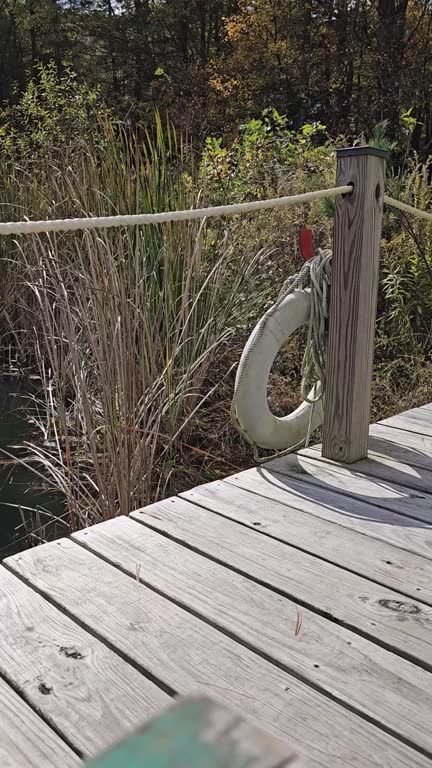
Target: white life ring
<point>251,405</point>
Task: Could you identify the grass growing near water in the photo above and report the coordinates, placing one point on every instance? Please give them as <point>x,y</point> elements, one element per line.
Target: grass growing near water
<point>136,332</point>
<point>128,326</point>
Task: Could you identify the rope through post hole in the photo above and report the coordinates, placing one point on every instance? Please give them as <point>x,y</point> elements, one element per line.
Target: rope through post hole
<point>315,275</point>
<point>107,222</point>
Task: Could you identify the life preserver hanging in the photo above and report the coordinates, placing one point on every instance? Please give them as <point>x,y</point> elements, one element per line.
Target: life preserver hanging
<point>250,400</point>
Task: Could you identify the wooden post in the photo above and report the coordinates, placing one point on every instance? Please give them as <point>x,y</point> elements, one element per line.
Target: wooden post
<point>357,235</point>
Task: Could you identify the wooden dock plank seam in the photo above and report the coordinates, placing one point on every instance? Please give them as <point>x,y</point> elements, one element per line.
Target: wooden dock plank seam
<point>299,594</point>
<point>345,511</point>
<point>362,606</point>
<point>26,740</point>
<point>191,655</point>
<point>379,562</point>
<point>79,686</point>
<point>210,590</point>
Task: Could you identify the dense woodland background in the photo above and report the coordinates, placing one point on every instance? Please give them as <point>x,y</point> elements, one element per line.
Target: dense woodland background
<point>214,63</point>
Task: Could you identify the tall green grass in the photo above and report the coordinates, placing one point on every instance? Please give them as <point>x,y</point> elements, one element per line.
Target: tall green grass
<point>135,332</point>
<point>128,327</point>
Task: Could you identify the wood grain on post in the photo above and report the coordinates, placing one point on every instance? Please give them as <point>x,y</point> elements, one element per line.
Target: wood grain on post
<point>357,235</point>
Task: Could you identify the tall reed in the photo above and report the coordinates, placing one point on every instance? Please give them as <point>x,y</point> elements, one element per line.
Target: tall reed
<point>127,325</point>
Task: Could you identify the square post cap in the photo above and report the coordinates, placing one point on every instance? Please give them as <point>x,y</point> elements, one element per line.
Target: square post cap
<point>359,151</point>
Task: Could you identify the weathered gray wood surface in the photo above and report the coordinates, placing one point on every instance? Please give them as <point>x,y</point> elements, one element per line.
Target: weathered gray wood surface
<point>419,409</point>
<point>189,654</point>
<point>82,688</point>
<point>26,741</point>
<point>409,447</point>
<point>375,681</point>
<point>423,411</point>
<point>378,612</point>
<point>347,511</point>
<point>411,501</point>
<point>418,421</point>
<point>379,561</point>
<point>357,237</point>
<point>385,468</point>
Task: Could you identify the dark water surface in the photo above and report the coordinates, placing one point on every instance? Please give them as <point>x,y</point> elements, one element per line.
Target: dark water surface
<point>19,486</point>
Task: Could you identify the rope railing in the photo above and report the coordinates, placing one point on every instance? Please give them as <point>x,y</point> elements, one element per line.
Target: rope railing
<point>132,220</point>
<point>407,208</point>
<point>105,222</point>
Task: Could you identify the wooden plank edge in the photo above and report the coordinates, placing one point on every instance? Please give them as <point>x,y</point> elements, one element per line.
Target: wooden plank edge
<point>390,551</point>
<point>341,521</point>
<point>304,476</point>
<point>94,638</point>
<point>200,732</point>
<point>30,719</point>
<point>303,679</point>
<point>302,602</point>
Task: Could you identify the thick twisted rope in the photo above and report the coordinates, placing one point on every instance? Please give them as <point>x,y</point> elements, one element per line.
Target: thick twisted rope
<point>106,222</point>
<point>407,208</point>
<point>133,220</point>
<point>315,275</point>
<point>314,359</point>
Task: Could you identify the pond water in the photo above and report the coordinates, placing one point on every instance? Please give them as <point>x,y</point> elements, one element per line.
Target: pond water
<point>19,486</point>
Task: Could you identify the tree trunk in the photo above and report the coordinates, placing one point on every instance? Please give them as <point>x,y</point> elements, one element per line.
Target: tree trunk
<point>57,38</point>
<point>32,30</point>
<point>305,56</point>
<point>183,31</point>
<point>141,20</point>
<point>390,55</point>
<point>202,13</point>
<point>345,70</point>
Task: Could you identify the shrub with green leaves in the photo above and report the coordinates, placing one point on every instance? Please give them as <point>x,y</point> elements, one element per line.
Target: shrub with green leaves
<point>50,118</point>
<point>266,154</point>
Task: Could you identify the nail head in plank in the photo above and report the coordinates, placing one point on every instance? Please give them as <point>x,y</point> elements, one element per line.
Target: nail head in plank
<point>192,656</point>
<point>376,560</point>
<point>346,511</point>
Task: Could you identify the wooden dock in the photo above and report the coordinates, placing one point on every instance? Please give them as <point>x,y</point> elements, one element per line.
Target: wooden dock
<point>300,594</point>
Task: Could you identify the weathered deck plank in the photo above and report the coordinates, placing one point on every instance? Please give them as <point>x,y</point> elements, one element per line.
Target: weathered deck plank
<point>386,469</point>
<point>26,741</point>
<point>413,502</point>
<point>403,572</point>
<point>408,448</point>
<point>347,511</point>
<point>373,680</point>
<point>189,654</point>
<point>369,608</point>
<point>299,593</point>
<point>418,420</point>
<point>82,688</point>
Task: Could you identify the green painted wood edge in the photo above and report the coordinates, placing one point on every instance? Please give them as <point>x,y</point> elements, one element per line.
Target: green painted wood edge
<point>189,736</point>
